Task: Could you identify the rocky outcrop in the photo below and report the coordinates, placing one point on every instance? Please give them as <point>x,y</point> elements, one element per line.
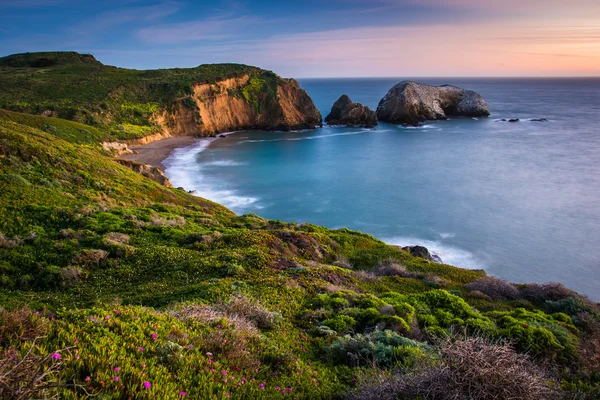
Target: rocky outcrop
<point>412,103</point>
<point>345,112</point>
<point>222,106</point>
<point>149,171</point>
<point>422,252</point>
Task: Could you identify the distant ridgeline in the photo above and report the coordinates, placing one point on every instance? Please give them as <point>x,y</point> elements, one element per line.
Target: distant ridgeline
<point>131,104</point>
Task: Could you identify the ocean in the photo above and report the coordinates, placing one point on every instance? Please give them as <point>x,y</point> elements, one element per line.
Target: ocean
<point>520,200</point>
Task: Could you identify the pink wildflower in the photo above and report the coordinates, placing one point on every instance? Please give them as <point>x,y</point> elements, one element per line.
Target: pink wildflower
<point>107,317</point>
<point>141,349</point>
<point>56,356</point>
<point>117,378</point>
<point>224,372</point>
<point>154,336</point>
<point>116,369</point>
<point>182,393</point>
<point>147,385</point>
<point>87,379</point>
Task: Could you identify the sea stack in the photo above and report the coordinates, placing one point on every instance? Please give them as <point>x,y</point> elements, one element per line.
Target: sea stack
<point>345,112</point>
<point>411,103</point>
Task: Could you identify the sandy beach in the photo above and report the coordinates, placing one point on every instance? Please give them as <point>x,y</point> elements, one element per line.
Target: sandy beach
<point>156,152</point>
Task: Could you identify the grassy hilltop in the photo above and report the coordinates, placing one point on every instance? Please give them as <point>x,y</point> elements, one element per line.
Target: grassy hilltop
<point>115,287</point>
<point>120,102</point>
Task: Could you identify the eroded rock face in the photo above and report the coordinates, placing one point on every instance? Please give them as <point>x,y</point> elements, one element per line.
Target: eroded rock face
<point>412,103</point>
<point>149,171</point>
<point>345,112</point>
<point>216,110</point>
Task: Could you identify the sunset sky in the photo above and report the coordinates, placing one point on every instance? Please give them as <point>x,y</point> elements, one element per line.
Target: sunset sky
<point>319,38</point>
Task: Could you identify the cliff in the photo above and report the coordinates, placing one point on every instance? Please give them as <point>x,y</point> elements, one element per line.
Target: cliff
<point>411,103</point>
<point>140,106</point>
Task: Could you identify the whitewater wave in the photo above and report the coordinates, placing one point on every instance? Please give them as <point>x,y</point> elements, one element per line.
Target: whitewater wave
<point>419,127</point>
<point>449,254</point>
<point>183,170</point>
<point>222,163</point>
<point>310,137</point>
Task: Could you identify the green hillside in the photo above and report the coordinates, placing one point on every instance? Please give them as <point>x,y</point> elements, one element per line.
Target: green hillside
<point>114,287</point>
<point>117,101</point>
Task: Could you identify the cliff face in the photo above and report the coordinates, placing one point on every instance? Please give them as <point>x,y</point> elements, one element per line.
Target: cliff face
<point>226,106</point>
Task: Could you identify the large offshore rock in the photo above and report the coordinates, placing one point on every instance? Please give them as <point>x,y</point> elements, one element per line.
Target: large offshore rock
<point>412,103</point>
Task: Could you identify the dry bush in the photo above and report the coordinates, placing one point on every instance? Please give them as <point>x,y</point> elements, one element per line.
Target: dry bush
<point>366,276</point>
<point>29,377</point>
<point>71,276</point>
<point>469,368</point>
<point>157,220</point>
<point>72,234</point>
<point>228,343</point>
<point>116,238</point>
<point>253,311</point>
<point>6,243</point>
<point>208,314</point>
<point>495,288</point>
<point>434,280</point>
<point>89,257</point>
<point>342,262</point>
<point>390,267</point>
<point>476,294</point>
<point>21,324</point>
<point>551,291</point>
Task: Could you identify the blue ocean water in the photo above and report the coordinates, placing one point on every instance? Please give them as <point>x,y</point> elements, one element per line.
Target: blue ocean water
<point>520,200</point>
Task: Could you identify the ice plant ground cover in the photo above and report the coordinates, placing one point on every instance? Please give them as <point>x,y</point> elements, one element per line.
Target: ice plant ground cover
<point>116,287</point>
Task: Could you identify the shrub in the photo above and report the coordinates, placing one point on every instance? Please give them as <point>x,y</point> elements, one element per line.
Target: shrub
<point>116,238</point>
<point>390,267</point>
<point>169,353</point>
<point>71,276</point>
<point>253,311</point>
<point>471,368</point>
<point>21,325</point>
<point>366,276</point>
<point>6,243</point>
<point>340,323</point>
<point>342,262</point>
<point>381,348</point>
<point>32,376</point>
<point>551,291</point>
<point>91,257</point>
<point>495,288</point>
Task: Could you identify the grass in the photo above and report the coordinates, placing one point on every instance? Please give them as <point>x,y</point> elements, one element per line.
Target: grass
<point>98,262</point>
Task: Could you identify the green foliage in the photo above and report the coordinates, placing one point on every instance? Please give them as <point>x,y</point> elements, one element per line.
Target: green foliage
<point>384,348</point>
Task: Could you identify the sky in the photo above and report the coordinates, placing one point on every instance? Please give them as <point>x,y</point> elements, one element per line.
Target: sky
<point>319,38</point>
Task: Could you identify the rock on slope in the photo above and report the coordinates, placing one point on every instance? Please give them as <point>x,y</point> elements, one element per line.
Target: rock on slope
<point>345,112</point>
<point>412,103</point>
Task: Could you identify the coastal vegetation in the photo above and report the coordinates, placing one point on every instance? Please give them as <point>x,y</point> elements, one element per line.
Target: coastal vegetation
<point>114,286</point>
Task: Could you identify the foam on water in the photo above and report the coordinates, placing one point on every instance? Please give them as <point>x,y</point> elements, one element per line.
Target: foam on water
<point>448,253</point>
<point>311,137</point>
<point>183,170</point>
